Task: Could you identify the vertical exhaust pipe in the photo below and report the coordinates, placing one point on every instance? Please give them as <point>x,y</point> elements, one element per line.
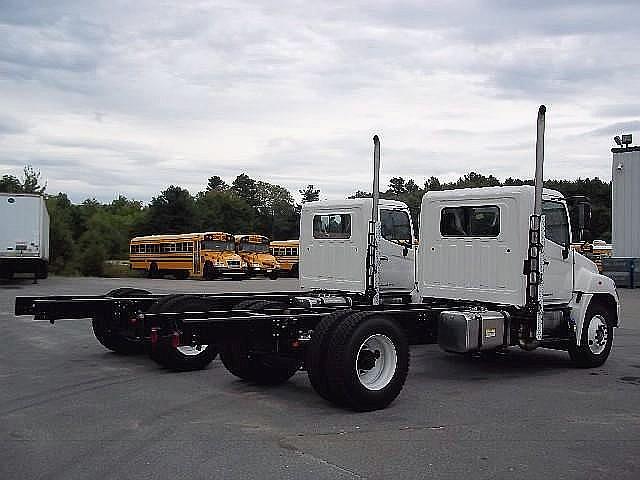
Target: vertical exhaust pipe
<point>535,257</point>
<point>376,178</point>
<point>373,260</point>
<point>537,206</point>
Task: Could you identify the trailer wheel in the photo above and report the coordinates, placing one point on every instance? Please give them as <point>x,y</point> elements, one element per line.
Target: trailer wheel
<point>368,362</point>
<point>316,361</point>
<point>184,358</point>
<point>262,369</point>
<point>597,338</point>
<point>113,340</point>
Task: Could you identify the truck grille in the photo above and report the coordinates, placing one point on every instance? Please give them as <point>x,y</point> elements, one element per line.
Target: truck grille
<point>233,263</point>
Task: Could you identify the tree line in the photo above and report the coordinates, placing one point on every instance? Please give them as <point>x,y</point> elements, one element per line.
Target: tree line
<point>84,235</point>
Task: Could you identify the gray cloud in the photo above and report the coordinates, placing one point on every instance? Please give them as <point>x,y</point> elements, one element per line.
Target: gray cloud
<point>292,92</point>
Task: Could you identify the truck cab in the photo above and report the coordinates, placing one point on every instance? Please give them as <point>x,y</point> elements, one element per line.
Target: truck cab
<point>333,246</point>
<point>474,245</point>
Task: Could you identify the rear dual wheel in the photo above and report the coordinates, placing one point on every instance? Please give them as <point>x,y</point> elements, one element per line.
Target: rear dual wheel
<point>113,336</point>
<point>186,357</point>
<point>237,357</point>
<point>365,361</point>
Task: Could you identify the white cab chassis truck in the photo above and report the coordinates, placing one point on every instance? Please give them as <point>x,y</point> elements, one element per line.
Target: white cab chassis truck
<point>24,235</point>
<point>494,269</point>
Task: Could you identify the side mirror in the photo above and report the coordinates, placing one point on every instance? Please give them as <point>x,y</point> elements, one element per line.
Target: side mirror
<point>565,251</point>
<point>405,251</point>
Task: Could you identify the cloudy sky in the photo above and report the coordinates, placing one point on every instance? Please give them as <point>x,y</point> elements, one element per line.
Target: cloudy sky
<point>109,98</point>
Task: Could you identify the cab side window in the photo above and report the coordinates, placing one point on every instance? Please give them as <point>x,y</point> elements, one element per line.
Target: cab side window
<point>557,223</point>
<point>336,225</point>
<point>395,226</point>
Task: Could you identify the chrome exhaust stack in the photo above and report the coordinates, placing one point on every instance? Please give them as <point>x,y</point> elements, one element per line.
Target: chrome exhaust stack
<point>535,254</point>
<point>372,291</point>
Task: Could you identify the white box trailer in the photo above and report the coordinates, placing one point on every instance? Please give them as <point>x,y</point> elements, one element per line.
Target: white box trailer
<point>625,205</point>
<point>24,234</point>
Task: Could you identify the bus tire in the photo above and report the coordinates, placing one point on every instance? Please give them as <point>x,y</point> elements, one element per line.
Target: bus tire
<point>273,275</point>
<point>369,362</point>
<point>183,358</point>
<point>294,271</point>
<point>316,357</point>
<point>209,272</point>
<point>263,370</point>
<point>181,274</point>
<point>153,271</point>
<point>597,338</point>
<point>111,339</point>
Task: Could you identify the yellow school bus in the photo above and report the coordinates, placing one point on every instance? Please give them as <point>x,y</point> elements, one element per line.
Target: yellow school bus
<point>206,255</point>
<point>286,253</point>
<point>254,250</point>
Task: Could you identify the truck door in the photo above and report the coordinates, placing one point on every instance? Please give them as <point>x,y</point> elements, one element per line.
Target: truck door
<point>558,271</point>
<point>396,251</point>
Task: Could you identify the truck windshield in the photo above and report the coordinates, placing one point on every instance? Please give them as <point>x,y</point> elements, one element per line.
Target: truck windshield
<point>217,245</point>
<point>395,226</point>
<point>254,247</point>
<point>556,221</point>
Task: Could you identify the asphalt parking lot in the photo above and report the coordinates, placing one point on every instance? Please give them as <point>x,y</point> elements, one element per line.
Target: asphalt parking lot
<point>70,409</point>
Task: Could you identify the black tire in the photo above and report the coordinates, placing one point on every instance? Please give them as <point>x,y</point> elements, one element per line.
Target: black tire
<point>43,271</point>
<point>582,355</point>
<point>209,272</point>
<point>122,292</point>
<point>153,271</point>
<point>273,275</point>
<point>317,351</point>
<point>181,274</point>
<point>295,271</point>
<point>111,339</point>
<point>346,388</point>
<point>175,358</point>
<point>263,370</point>
<point>246,304</point>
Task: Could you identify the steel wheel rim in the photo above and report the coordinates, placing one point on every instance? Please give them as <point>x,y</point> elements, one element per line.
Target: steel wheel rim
<point>190,350</point>
<point>380,350</point>
<point>597,335</point>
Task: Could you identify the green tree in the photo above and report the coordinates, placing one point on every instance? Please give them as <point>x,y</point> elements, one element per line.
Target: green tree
<point>216,184</point>
<point>310,194</point>
<point>31,181</point>
<point>10,184</point>
<point>61,238</point>
<point>246,189</point>
<point>173,211</point>
<point>225,212</point>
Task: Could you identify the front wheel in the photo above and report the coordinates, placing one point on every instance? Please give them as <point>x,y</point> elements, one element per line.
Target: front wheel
<point>597,338</point>
<point>273,275</point>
